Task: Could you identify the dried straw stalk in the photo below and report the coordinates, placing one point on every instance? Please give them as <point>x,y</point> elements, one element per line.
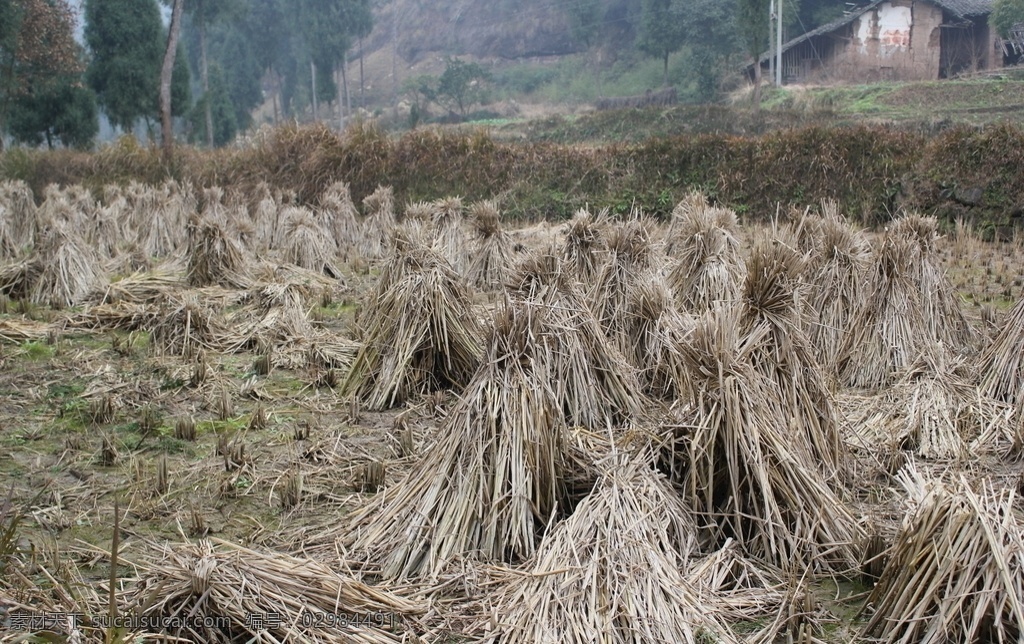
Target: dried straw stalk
<point>493,478</point>
<point>709,268</point>
<point>956,571</point>
<point>449,238</point>
<point>418,337</point>
<point>612,572</point>
<point>491,256</point>
<point>215,578</point>
<point>583,250</point>
<point>1002,363</point>
<point>738,463</point>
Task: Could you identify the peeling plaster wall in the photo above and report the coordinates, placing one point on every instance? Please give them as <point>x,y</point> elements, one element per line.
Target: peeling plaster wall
<point>897,40</point>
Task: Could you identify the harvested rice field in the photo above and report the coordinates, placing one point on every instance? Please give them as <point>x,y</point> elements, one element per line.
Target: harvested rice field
<point>244,418</point>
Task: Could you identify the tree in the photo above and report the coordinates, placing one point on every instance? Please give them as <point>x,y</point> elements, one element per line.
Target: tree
<point>462,84</point>
<point>585,18</point>
<point>126,41</point>
<point>662,30</point>
<point>711,35</point>
<point>204,13</point>
<point>64,113</point>
<point>222,114</point>
<point>752,22</point>
<point>329,27</point>
<point>38,52</point>
<point>166,76</point>
<point>1005,15</point>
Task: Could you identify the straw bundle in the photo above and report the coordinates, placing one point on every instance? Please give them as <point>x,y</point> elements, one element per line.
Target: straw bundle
<point>265,219</point>
<point>658,328</point>
<point>185,326</point>
<point>738,464</point>
<point>213,258</point>
<point>104,231</point>
<point>308,244</point>
<point>1002,363</point>
<point>217,579</point>
<point>933,410</point>
<point>944,319</point>
<point>449,238</point>
<point>58,208</point>
<point>773,298</point>
<point>888,333</point>
<point>956,571</point>
<point>340,215</point>
<point>17,212</point>
<point>628,259</point>
<point>594,385</point>
<point>583,250</point>
<point>418,337</point>
<point>69,268</point>
<point>839,257</point>
<point>162,220</point>
<point>276,319</point>
<point>709,268</point>
<point>380,219</point>
<point>689,209</point>
<point>611,572</point>
<point>493,478</point>
<point>491,256</point>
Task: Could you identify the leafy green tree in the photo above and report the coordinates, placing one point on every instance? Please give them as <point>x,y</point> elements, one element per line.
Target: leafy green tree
<point>126,40</point>
<point>329,28</point>
<point>710,33</point>
<point>205,13</point>
<point>1005,15</point>
<point>242,73</point>
<point>662,30</point>
<point>752,23</point>
<point>222,113</point>
<point>62,112</point>
<point>38,52</point>
<point>462,84</point>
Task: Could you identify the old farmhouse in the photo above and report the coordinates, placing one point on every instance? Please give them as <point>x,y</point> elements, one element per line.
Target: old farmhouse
<point>895,40</point>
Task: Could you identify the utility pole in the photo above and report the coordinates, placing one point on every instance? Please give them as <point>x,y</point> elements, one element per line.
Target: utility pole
<point>778,44</point>
<point>771,39</point>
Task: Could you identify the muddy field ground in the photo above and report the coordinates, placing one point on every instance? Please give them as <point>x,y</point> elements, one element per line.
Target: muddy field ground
<point>310,414</point>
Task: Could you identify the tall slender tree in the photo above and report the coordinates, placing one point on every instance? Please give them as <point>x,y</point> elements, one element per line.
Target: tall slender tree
<point>752,21</point>
<point>166,76</point>
<point>204,14</point>
<point>126,41</point>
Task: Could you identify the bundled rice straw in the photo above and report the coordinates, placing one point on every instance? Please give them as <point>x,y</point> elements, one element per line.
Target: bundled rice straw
<point>704,242</point>
<point>1002,363</point>
<point>838,261</point>
<point>217,579</point>
<point>737,461</point>
<point>594,385</point>
<point>184,327</point>
<point>611,572</point>
<point>944,319</point>
<point>772,297</point>
<point>162,225</point>
<point>628,260</point>
<point>583,250</point>
<point>68,268</point>
<point>419,335</point>
<point>277,319</point>
<point>380,219</point>
<point>933,410</point>
<point>491,255</point>
<point>956,570</point>
<point>888,333</point>
<point>493,478</point>
<point>265,219</point>
<point>658,329</point>
<point>340,214</point>
<point>449,239</point>
<point>17,215</point>
<point>308,244</point>
<point>213,258</point>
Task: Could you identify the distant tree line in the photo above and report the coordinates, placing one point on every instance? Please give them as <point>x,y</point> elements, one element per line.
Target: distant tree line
<point>52,89</point>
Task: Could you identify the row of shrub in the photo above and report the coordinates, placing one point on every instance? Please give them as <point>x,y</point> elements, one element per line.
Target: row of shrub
<point>870,170</point>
